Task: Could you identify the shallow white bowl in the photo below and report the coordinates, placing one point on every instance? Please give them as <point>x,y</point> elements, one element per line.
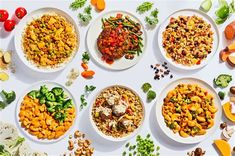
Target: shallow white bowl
<point>189,12</point>
<point>175,136</point>
<point>20,29</point>
<point>93,33</point>
<point>110,138</point>
<point>36,86</point>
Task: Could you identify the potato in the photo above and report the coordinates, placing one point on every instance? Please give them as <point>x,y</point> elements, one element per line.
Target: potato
<point>4,76</point>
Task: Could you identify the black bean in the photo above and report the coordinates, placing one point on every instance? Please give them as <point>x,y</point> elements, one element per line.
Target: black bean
<point>162,75</point>
<point>151,66</point>
<point>165,63</point>
<point>171,76</point>
<point>154,68</point>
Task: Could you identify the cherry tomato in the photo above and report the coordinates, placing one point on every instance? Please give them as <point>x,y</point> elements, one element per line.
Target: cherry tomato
<point>20,12</point>
<point>9,25</point>
<point>3,15</point>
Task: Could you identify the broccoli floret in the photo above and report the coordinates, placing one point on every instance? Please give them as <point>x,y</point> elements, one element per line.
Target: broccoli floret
<point>60,116</point>
<point>68,104</point>
<point>145,87</point>
<point>43,89</point>
<point>33,94</point>
<point>2,105</point>
<point>151,95</point>
<point>57,91</point>
<point>9,97</point>
<point>50,96</point>
<point>42,100</point>
<point>221,95</point>
<point>223,80</point>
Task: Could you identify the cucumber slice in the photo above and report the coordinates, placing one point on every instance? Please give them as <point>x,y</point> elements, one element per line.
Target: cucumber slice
<point>206,5</point>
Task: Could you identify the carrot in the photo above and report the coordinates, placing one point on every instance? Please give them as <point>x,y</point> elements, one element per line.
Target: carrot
<point>88,73</point>
<point>84,66</point>
<point>230,31</point>
<point>100,5</point>
<point>94,2</point>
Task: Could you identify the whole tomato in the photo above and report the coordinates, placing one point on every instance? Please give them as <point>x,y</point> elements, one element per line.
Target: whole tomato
<point>20,12</point>
<point>3,15</point>
<point>9,25</point>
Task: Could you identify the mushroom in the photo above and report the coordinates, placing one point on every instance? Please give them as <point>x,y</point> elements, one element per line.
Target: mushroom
<point>227,133</point>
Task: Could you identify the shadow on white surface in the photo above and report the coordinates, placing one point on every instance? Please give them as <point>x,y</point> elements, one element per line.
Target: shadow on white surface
<point>161,137</point>
<point>99,143</point>
<point>25,74</point>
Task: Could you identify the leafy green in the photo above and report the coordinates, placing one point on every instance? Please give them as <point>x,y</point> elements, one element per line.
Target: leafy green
<point>89,88</point>
<point>85,57</point>
<point>83,101</point>
<point>77,4</point>
<point>223,80</point>
<point>146,86</point>
<point>9,97</point>
<point>144,7</point>
<point>151,95</point>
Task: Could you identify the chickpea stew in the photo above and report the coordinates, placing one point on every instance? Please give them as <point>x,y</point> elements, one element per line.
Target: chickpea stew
<point>49,41</point>
<point>189,110</point>
<point>117,112</point>
<point>47,114</point>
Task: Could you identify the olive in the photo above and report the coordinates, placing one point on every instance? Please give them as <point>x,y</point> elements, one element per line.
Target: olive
<point>198,152</point>
<point>223,125</point>
<point>232,89</point>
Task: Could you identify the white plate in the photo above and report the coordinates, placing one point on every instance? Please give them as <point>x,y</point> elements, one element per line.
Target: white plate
<point>20,29</point>
<point>189,12</point>
<point>93,33</point>
<point>37,86</point>
<point>176,136</point>
<point>110,138</point>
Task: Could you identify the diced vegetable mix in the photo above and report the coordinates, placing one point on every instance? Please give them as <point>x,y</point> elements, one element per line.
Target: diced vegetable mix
<point>223,80</point>
<point>56,101</point>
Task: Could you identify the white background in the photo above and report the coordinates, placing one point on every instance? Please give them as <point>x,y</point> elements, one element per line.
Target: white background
<point>133,77</point>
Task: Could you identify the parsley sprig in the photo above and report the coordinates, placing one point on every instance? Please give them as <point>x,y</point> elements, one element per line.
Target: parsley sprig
<point>77,4</point>
<point>144,7</point>
<point>88,90</point>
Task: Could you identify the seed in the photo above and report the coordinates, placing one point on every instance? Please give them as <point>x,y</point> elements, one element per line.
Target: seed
<point>223,125</point>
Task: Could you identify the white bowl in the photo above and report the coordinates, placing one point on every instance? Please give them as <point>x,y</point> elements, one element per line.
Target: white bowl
<point>189,12</point>
<point>36,86</point>
<point>176,136</point>
<point>94,32</point>
<point>20,29</point>
<point>110,138</point>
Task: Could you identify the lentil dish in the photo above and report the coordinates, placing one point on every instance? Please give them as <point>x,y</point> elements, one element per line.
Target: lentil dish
<point>189,110</point>
<point>121,36</point>
<point>49,41</point>
<point>44,117</point>
<point>188,40</point>
<point>117,112</point>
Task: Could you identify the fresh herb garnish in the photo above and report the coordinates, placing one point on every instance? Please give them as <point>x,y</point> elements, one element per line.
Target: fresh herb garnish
<point>85,17</point>
<point>152,20</point>
<point>88,90</point>
<point>77,4</point>
<point>85,57</point>
<point>144,7</point>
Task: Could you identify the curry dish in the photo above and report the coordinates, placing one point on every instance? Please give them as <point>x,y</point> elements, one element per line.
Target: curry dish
<point>49,41</point>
